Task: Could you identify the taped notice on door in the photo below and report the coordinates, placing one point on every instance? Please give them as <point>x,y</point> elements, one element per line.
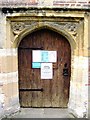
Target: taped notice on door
<point>44,56</point>
<point>46,71</point>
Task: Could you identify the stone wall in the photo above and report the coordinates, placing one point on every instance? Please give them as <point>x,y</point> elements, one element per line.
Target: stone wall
<point>89,65</point>
<point>46,3</point>
<point>9,100</point>
<point>2,39</point>
<point>8,74</point>
<point>13,27</point>
<point>79,81</point>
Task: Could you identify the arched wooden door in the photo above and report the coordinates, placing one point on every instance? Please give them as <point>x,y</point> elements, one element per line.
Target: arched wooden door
<point>50,92</point>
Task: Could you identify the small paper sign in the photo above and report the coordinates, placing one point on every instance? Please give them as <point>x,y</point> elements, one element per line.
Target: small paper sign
<point>52,56</point>
<point>46,71</point>
<point>36,65</point>
<point>36,55</point>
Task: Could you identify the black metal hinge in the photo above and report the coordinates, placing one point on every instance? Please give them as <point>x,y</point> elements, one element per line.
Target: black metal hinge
<point>41,48</point>
<point>31,89</point>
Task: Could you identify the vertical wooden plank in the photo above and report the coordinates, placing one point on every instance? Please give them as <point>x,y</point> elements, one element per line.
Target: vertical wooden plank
<point>35,86</point>
<point>53,91</point>
<point>39,98</point>
<point>46,93</point>
<point>47,83</point>
<point>55,83</point>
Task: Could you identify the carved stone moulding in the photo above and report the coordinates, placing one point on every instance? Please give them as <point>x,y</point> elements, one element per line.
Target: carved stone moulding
<point>70,27</point>
<point>17,27</point>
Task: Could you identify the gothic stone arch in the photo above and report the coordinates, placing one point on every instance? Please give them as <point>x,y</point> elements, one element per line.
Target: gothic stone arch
<point>19,26</point>
<point>52,26</point>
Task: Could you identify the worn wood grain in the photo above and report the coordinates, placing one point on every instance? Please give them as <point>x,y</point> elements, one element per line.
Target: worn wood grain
<point>55,91</point>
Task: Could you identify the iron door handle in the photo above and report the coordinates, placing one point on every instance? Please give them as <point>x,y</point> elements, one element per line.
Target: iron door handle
<point>65,70</point>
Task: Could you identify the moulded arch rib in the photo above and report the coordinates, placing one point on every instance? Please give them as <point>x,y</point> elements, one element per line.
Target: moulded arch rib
<point>50,25</point>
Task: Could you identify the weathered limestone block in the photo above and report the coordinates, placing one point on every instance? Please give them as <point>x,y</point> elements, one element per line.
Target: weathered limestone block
<point>78,101</point>
<point>9,60</point>
<point>10,103</point>
<point>9,98</point>
<point>2,29</point>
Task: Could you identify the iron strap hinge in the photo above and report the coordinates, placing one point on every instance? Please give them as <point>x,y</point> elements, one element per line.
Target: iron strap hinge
<point>31,89</point>
<point>41,48</point>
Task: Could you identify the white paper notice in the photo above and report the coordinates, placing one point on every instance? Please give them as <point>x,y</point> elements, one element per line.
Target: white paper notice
<point>46,71</point>
<point>44,56</point>
<point>36,55</point>
<point>52,56</point>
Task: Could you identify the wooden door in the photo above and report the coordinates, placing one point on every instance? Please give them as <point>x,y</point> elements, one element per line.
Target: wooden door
<point>37,92</point>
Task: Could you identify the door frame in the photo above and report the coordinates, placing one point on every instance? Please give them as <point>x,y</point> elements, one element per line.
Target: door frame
<point>69,57</point>
<point>69,24</point>
<point>53,28</point>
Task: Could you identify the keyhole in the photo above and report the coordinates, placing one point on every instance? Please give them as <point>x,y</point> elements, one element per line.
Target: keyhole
<point>65,65</point>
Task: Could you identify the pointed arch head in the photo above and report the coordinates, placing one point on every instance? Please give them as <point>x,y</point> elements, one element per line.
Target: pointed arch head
<point>50,26</point>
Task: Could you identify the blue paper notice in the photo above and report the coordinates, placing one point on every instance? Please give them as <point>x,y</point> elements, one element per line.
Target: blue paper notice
<point>36,65</point>
<point>44,56</point>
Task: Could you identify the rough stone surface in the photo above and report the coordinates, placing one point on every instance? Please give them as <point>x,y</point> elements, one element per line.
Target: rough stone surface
<point>42,113</point>
<point>46,3</point>
<point>76,32</point>
<point>2,29</point>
